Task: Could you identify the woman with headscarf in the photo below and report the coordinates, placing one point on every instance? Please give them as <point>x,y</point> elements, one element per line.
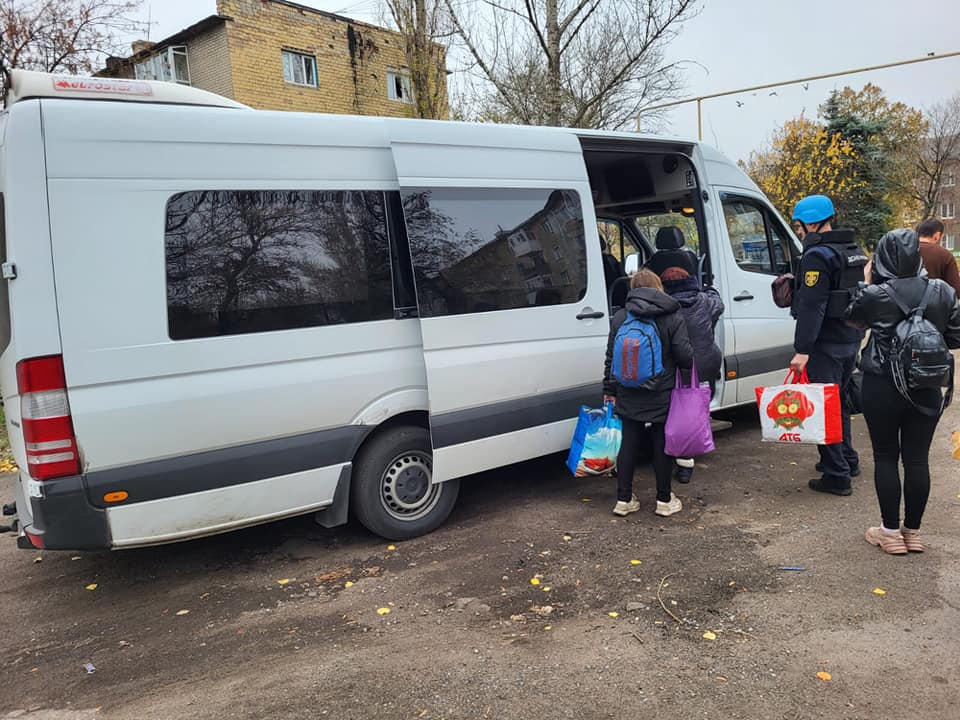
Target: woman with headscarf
<point>899,427</point>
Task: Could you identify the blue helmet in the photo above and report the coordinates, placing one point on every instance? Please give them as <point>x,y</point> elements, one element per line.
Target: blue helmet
<point>813,209</point>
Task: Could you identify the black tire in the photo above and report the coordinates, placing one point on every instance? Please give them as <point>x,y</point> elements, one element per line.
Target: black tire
<point>390,491</point>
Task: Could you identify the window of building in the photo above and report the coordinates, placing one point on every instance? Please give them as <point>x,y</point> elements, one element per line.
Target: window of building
<point>169,65</point>
<point>949,179</point>
<point>399,87</point>
<point>256,261</point>
<point>760,244</point>
<point>481,250</point>
<point>299,69</point>
<point>947,210</point>
<point>950,242</point>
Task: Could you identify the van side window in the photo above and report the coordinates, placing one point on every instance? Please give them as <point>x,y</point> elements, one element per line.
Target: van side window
<point>759,243</point>
<point>481,249</point>
<point>255,261</point>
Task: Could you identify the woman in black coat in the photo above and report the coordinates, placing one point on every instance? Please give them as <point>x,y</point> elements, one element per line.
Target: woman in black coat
<point>649,403</point>
<point>898,429</point>
<point>701,309</point>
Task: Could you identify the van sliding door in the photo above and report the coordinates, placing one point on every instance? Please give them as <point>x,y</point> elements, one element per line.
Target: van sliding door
<point>509,285</point>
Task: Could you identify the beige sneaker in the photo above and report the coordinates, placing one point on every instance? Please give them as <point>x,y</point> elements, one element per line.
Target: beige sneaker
<point>911,538</point>
<point>666,509</point>
<point>890,541</point>
<point>625,508</point>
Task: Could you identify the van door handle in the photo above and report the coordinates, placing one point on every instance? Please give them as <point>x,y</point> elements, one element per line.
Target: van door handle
<point>589,314</point>
<point>743,296</point>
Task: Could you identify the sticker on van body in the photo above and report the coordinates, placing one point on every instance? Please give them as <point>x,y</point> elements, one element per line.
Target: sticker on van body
<point>113,87</point>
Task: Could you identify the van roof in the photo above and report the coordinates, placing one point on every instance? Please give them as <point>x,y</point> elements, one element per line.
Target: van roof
<point>25,84</point>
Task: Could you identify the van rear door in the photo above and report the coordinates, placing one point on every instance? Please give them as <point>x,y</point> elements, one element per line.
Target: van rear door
<point>509,286</point>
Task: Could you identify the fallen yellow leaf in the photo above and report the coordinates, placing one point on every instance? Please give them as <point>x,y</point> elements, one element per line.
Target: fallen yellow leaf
<point>348,584</point>
<point>585,500</point>
<point>567,538</point>
<point>825,676</point>
<point>879,591</point>
<point>613,614</point>
<point>284,581</point>
<point>92,586</point>
<point>534,581</point>
<point>183,612</point>
<point>546,588</point>
<point>636,562</point>
<point>383,611</point>
<point>709,635</point>
<point>548,627</point>
<point>391,547</point>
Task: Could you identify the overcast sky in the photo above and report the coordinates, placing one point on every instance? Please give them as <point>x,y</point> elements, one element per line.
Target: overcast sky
<point>741,43</point>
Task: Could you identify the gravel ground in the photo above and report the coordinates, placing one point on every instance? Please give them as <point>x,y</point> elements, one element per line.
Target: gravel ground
<point>289,620</point>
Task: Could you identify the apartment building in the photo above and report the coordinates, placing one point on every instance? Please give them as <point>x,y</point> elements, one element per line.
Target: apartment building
<point>278,55</point>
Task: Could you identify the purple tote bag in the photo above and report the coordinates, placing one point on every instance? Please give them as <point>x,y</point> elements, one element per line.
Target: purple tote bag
<point>688,431</point>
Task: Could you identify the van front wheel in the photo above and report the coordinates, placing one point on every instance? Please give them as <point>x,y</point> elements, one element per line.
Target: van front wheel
<point>391,491</point>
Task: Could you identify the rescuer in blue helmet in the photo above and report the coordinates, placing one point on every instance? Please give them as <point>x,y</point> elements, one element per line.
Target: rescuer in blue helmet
<point>831,267</point>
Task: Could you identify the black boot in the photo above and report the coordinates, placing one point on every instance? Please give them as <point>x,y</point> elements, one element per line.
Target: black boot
<point>825,485</point>
<point>684,474</point>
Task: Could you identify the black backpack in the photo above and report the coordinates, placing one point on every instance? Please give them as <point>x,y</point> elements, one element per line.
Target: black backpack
<point>920,359</point>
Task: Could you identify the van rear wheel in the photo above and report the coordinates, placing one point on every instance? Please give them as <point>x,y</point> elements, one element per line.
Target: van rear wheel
<point>391,492</point>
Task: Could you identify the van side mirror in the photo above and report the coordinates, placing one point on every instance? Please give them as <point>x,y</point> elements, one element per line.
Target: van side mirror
<point>631,264</point>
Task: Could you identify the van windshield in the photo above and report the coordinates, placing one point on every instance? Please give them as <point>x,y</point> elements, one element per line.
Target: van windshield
<point>649,225</point>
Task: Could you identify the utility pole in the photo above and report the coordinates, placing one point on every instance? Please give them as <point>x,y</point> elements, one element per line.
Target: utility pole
<point>700,98</point>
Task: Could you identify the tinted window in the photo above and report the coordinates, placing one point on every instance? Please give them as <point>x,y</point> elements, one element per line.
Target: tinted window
<point>253,261</point>
<point>478,250</point>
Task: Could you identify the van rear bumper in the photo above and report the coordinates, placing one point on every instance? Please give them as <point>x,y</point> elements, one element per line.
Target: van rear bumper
<point>63,519</point>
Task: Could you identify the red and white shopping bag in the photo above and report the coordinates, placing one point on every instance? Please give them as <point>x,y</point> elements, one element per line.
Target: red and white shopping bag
<point>800,411</point>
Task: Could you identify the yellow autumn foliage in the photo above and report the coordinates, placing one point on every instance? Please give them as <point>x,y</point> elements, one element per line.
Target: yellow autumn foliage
<point>802,159</point>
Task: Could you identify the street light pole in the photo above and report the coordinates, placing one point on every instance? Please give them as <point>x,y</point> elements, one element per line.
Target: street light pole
<point>700,98</point>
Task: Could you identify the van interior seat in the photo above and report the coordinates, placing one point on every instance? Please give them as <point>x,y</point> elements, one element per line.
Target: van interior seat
<point>672,252</point>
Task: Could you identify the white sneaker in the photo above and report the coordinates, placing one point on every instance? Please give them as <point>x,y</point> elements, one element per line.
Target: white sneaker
<point>625,508</point>
<point>665,509</point>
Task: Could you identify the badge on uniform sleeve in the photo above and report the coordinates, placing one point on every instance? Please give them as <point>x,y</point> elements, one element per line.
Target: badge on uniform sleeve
<point>811,277</point>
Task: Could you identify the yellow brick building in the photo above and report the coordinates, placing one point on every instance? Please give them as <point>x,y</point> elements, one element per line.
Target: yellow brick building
<point>277,55</point>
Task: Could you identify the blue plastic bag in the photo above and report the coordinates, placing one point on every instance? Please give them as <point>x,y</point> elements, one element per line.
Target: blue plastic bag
<point>596,442</point>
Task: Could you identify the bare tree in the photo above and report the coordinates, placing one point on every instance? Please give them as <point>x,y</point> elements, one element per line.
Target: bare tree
<point>423,24</point>
<point>936,152</point>
<point>577,63</point>
<point>62,35</point>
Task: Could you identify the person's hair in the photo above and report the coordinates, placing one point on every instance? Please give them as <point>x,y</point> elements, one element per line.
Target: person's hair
<point>674,273</point>
<point>929,227</point>
<point>647,279</point>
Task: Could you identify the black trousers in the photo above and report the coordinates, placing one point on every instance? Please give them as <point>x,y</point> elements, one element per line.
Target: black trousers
<point>636,437</point>
<point>835,364</point>
<point>898,431</point>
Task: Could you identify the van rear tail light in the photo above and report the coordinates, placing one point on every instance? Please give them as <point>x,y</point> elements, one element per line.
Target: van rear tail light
<point>45,413</point>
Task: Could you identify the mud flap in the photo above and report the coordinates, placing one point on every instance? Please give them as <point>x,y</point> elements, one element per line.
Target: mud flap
<point>339,511</point>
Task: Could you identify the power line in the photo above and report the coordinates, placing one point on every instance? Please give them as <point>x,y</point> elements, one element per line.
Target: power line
<point>700,98</point>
